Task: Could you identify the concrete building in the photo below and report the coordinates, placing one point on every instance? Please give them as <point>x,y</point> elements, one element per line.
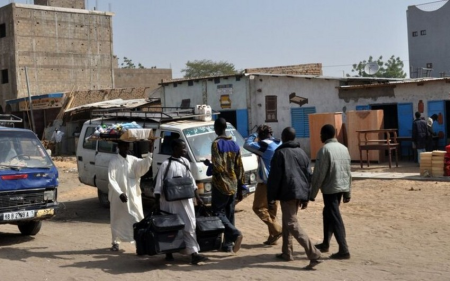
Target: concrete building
<point>140,77</point>
<point>248,100</point>
<point>74,4</point>
<point>62,48</point>
<point>429,41</point>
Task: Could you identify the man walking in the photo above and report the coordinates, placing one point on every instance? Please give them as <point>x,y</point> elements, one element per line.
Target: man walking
<point>124,174</point>
<point>227,178</point>
<point>289,181</point>
<point>420,134</point>
<point>332,175</point>
<point>178,166</point>
<point>263,145</point>
<point>57,138</point>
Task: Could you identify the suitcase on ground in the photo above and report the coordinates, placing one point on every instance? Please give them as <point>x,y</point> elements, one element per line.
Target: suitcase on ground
<point>209,231</point>
<point>209,243</point>
<point>159,234</point>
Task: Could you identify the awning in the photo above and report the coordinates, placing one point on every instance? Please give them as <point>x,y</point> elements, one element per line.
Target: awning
<point>54,95</point>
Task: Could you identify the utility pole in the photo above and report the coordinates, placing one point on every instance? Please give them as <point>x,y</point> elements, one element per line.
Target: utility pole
<point>29,101</point>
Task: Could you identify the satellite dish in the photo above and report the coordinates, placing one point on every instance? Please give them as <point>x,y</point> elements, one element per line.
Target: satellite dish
<point>371,68</point>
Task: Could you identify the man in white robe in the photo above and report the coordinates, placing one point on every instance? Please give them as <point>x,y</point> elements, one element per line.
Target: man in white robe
<point>124,173</point>
<point>184,208</point>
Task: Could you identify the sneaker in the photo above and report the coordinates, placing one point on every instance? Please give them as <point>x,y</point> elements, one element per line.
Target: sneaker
<point>322,248</point>
<point>272,240</point>
<point>115,247</point>
<point>196,258</point>
<point>340,256</point>
<point>283,257</point>
<point>237,243</point>
<point>313,263</point>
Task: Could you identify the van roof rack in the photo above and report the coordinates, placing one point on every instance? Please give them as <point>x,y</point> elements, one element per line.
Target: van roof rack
<point>155,114</point>
<point>8,120</point>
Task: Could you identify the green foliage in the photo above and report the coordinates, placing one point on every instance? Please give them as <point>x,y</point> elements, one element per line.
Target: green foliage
<point>202,68</point>
<point>393,68</point>
<point>128,63</point>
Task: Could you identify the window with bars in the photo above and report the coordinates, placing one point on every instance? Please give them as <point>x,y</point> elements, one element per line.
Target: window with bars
<point>300,120</point>
<point>271,109</point>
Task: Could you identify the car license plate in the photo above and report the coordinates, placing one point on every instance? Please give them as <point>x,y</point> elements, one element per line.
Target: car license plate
<point>45,212</point>
<point>251,189</point>
<point>18,215</point>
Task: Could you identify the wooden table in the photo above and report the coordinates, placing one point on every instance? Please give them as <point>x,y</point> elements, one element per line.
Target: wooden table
<point>386,140</point>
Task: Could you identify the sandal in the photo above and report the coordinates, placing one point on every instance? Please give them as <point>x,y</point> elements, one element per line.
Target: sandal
<point>115,247</point>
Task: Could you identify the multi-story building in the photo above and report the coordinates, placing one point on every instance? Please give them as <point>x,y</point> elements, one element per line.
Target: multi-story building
<point>54,46</point>
<point>429,41</point>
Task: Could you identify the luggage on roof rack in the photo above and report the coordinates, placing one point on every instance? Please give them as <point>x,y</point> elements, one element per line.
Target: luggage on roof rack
<point>156,114</point>
<point>8,120</point>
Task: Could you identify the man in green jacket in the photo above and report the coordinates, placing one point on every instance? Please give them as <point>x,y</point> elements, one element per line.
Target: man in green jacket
<point>332,175</point>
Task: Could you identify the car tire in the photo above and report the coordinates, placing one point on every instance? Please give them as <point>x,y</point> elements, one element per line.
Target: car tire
<point>30,227</point>
<point>103,198</point>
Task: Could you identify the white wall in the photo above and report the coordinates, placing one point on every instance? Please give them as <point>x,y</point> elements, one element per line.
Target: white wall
<point>321,93</point>
<point>204,88</point>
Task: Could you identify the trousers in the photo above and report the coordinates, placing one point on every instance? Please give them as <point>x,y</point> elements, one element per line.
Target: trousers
<point>332,221</point>
<point>261,209</point>
<point>223,207</point>
<point>291,228</point>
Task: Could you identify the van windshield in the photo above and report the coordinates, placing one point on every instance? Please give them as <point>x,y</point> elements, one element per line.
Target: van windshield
<point>201,138</point>
<point>22,149</point>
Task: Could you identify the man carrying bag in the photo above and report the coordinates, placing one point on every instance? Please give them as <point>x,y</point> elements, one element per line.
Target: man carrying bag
<point>177,167</point>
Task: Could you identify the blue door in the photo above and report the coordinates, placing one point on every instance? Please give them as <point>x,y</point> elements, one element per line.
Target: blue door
<point>363,107</point>
<point>242,122</point>
<point>300,120</point>
<point>405,119</point>
<point>438,107</point>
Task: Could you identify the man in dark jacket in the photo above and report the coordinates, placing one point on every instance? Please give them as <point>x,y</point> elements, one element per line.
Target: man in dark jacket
<point>419,135</point>
<point>289,182</point>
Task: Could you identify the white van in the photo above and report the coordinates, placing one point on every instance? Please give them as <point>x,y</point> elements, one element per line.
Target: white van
<point>93,156</point>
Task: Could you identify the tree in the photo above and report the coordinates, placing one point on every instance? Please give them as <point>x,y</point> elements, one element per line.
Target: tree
<point>128,63</point>
<point>201,68</point>
<point>393,68</point>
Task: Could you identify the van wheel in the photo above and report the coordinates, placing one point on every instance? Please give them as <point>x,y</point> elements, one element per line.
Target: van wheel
<point>103,198</point>
<point>30,227</point>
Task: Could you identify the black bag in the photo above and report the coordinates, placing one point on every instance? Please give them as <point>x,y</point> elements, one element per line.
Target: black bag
<point>159,234</point>
<point>209,230</point>
<point>210,242</point>
<point>178,188</point>
<point>208,225</point>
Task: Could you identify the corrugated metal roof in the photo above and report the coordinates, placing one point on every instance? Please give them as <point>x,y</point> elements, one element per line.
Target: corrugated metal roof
<point>419,81</point>
<point>327,77</point>
<point>113,103</point>
<point>180,80</point>
<point>344,79</point>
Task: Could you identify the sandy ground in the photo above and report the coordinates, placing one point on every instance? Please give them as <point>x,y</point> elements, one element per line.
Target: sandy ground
<point>396,230</point>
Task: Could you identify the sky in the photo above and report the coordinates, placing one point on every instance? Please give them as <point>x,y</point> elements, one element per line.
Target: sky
<point>259,33</point>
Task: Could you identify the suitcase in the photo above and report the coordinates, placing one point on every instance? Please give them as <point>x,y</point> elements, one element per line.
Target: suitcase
<point>210,242</point>
<point>209,231</point>
<point>159,234</point>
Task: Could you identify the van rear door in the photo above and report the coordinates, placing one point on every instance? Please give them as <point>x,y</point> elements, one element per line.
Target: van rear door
<point>86,156</point>
<point>106,151</point>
